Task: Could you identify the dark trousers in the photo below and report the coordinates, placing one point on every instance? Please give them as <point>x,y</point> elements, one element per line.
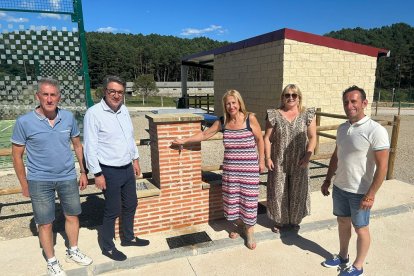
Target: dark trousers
<point>120,199</point>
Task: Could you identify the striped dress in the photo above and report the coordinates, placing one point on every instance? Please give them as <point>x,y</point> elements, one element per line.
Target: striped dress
<point>240,182</point>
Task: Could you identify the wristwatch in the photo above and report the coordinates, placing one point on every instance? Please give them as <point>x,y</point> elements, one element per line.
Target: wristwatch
<point>97,174</point>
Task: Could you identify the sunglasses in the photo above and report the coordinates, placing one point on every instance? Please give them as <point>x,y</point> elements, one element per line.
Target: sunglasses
<point>287,96</point>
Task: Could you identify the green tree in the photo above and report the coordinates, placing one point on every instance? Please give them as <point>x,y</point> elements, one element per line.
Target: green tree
<point>145,85</point>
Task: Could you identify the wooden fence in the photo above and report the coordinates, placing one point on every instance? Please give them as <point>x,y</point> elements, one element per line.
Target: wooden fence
<point>317,156</point>
<point>203,102</point>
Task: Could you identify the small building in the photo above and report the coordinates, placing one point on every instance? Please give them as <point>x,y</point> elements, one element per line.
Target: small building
<point>261,66</point>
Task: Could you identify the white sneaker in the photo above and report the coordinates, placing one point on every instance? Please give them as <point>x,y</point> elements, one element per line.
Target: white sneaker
<point>55,269</point>
<point>77,257</point>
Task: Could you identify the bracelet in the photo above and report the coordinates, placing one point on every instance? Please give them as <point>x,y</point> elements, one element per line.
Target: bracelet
<point>266,158</point>
<point>368,199</point>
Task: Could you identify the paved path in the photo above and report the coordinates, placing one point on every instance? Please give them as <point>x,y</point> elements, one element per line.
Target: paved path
<point>287,254</point>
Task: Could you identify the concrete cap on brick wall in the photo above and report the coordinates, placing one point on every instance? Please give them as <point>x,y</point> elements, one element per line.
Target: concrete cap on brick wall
<point>171,118</point>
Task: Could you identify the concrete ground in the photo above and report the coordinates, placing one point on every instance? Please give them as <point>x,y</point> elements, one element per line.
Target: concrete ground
<point>289,253</point>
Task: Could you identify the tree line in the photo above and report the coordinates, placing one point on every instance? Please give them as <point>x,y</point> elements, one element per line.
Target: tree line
<point>131,56</point>
<point>394,73</point>
<point>134,55</point>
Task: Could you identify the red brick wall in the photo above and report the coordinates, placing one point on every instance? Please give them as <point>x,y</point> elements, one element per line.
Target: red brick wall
<point>182,201</point>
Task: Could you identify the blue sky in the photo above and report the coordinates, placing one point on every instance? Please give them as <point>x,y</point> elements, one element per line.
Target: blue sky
<point>231,20</point>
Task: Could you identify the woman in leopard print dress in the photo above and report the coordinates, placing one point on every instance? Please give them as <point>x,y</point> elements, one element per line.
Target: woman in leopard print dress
<point>290,139</point>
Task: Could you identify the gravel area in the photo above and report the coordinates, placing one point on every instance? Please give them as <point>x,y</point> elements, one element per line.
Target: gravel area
<point>16,218</point>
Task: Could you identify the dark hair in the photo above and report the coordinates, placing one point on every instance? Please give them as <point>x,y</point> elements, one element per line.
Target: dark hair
<point>116,79</point>
<point>50,81</point>
<point>355,88</point>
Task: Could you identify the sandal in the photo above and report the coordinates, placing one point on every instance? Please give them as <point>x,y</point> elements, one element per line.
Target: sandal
<point>277,228</point>
<point>235,233</point>
<point>250,240</point>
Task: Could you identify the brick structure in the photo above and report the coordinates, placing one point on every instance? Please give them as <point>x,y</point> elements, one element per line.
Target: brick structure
<point>183,199</point>
<point>261,66</point>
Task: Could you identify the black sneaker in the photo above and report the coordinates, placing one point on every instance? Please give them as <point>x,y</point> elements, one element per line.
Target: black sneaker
<point>115,255</point>
<point>135,242</point>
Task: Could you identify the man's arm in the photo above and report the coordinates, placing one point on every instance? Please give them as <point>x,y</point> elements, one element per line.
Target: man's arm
<point>333,165</point>
<point>77,146</point>
<point>19,168</point>
<point>381,162</point>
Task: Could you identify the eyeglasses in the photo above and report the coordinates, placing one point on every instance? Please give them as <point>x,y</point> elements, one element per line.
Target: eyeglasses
<point>112,92</point>
<point>293,95</point>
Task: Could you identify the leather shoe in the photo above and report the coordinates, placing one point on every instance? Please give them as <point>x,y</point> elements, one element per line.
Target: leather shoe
<point>115,255</point>
<point>135,242</point>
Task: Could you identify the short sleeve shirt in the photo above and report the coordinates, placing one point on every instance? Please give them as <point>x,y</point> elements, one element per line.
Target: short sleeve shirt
<point>356,144</point>
<point>49,155</point>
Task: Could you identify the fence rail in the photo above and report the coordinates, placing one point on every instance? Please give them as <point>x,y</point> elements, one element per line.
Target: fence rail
<point>205,102</point>
<point>316,156</point>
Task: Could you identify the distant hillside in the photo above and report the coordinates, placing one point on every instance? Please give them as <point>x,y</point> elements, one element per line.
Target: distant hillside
<point>133,55</point>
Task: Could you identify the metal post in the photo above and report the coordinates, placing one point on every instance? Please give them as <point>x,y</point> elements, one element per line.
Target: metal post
<point>208,104</point>
<point>184,77</point>
<point>318,123</point>
<point>78,17</point>
<point>376,109</point>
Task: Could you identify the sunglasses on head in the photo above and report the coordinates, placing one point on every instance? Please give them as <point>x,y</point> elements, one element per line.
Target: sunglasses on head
<point>293,95</point>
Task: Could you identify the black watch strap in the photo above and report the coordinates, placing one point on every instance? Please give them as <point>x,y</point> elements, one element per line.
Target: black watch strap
<point>97,174</point>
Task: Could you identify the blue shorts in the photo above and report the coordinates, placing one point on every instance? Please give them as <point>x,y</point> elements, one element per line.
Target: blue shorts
<point>347,204</point>
<point>42,194</point>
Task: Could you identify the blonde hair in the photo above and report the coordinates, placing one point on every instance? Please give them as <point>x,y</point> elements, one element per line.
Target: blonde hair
<point>294,89</point>
<point>236,94</point>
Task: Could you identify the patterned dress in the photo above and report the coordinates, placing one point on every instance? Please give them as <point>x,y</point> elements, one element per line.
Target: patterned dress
<point>288,192</point>
<point>240,181</point>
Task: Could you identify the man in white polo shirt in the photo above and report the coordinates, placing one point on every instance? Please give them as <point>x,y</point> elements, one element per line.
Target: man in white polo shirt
<point>359,164</point>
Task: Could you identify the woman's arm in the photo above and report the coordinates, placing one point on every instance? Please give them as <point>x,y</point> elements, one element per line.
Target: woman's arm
<point>267,146</point>
<point>257,132</point>
<point>200,136</point>
<point>311,133</point>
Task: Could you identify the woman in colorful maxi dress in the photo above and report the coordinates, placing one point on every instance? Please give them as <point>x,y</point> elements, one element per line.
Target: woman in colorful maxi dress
<point>290,139</point>
<point>243,162</point>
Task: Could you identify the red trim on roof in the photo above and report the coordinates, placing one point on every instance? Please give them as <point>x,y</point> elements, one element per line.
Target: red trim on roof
<point>334,43</point>
<point>297,36</point>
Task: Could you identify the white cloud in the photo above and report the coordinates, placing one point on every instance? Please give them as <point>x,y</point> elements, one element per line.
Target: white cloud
<point>107,30</point>
<point>197,32</point>
<point>54,16</point>
<point>112,30</point>
<point>4,16</point>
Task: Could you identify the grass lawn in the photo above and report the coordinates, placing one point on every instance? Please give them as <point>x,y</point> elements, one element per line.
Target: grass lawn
<point>6,129</point>
<point>152,101</point>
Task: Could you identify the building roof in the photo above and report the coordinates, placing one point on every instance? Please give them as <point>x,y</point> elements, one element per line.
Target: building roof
<point>206,58</point>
